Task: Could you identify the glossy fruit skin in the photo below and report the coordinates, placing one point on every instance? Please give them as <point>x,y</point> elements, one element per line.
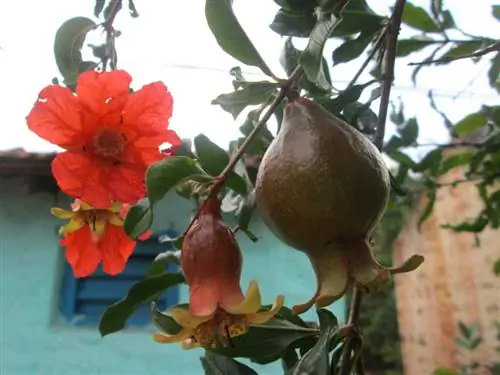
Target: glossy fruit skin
<point>320,181</point>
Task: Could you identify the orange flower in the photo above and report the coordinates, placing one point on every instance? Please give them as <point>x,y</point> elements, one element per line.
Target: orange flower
<point>93,236</point>
<point>111,136</point>
<point>218,310</point>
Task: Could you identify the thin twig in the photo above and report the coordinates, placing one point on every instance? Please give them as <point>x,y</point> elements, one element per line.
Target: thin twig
<point>390,58</point>
<point>219,180</point>
<point>352,321</point>
<point>369,58</point>
<point>493,48</point>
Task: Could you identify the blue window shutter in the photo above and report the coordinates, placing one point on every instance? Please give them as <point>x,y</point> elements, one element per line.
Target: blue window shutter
<point>83,301</point>
<point>69,287</point>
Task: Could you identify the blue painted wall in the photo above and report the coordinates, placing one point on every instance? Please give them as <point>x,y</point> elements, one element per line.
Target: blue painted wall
<point>35,341</point>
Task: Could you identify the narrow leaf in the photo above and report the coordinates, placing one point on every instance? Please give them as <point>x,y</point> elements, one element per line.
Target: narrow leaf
<point>408,46</point>
<point>253,93</point>
<point>164,175</point>
<point>418,18</point>
<point>496,268</point>
<point>139,219</point>
<point>311,58</point>
<point>230,35</point>
<point>116,315</point>
<point>211,157</point>
<point>98,7</point>
<point>315,361</point>
<point>216,364</point>
<point>431,199</point>
<point>68,43</point>
<point>470,123</point>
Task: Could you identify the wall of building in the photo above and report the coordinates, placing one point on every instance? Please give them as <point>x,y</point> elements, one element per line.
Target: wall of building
<point>455,284</point>
<point>34,342</point>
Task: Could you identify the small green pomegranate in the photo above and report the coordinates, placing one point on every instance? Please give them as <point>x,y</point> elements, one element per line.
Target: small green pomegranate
<point>321,188</point>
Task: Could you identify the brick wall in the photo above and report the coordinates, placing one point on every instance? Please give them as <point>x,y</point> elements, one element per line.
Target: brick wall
<point>455,283</point>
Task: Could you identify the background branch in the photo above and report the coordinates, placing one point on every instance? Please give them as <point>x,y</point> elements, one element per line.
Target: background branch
<point>388,77</point>
<point>493,48</point>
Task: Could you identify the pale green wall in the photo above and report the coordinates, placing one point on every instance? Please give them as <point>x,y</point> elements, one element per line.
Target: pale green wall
<point>33,341</point>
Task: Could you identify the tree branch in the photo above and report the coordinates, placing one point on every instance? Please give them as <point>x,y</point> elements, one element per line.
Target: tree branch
<point>390,58</point>
<point>353,320</point>
<point>492,48</point>
<point>286,87</point>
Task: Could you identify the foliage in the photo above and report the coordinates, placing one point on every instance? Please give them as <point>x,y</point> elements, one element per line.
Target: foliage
<point>305,348</point>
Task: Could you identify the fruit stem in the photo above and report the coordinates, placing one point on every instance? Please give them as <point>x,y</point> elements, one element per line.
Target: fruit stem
<point>388,73</point>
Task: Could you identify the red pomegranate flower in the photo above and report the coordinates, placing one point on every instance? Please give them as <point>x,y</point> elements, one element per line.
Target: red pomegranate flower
<point>110,135</point>
<point>93,236</point>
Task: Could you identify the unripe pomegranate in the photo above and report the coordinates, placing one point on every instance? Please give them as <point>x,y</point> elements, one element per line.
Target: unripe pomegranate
<point>321,188</point>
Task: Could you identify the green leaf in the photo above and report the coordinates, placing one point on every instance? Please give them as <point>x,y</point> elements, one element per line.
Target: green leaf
<point>253,93</point>
<point>462,49</point>
<point>475,343</point>
<point>474,226</point>
<point>211,157</point>
<point>431,200</point>
<point>230,35</point>
<point>132,9</point>
<point>455,161</point>
<point>408,46</point>
<point>496,268</point>
<point>161,177</point>
<point>98,7</point>
<point>247,211</point>
<point>289,60</point>
<point>68,43</point>
<point>409,132</point>
<point>216,364</point>
<point>465,331</point>
<point>164,175</point>
<point>418,18</point>
<point>267,342</point>
<point>116,315</point>
<point>163,321</point>
<point>289,23</point>
<point>315,361</point>
<point>470,123</point>
<point>236,183</point>
<point>444,371</point>
<point>402,158</point>
<point>353,48</point>
<point>430,161</point>
<point>139,219</point>
<point>355,21</point>
<point>346,97</point>
<point>495,11</point>
<point>494,73</point>
<point>289,359</point>
<point>311,58</point>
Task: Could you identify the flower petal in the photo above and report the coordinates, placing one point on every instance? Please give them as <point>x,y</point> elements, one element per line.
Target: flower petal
<point>187,320</point>
<point>251,304</point>
<point>116,248</point>
<point>264,316</point>
<point>148,110</point>
<point>190,343</point>
<point>163,338</point>
<point>103,92</point>
<point>125,183</point>
<point>81,252</point>
<point>56,116</point>
<point>61,214</point>
<point>74,224</point>
<point>409,265</point>
<point>78,177</point>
